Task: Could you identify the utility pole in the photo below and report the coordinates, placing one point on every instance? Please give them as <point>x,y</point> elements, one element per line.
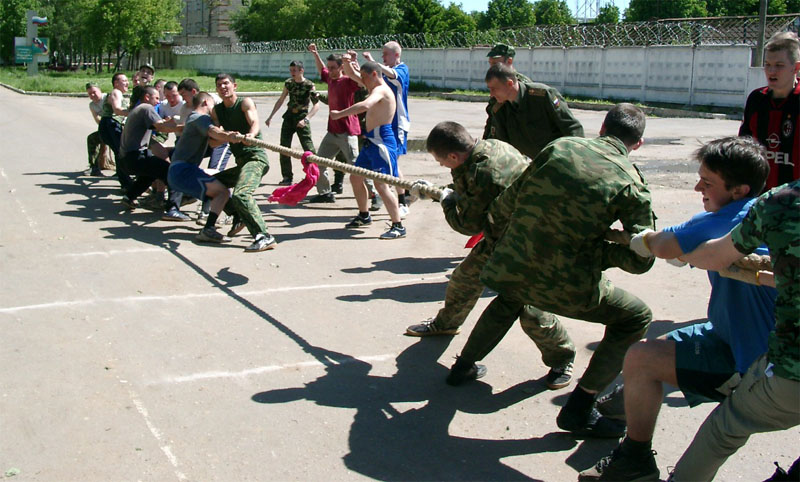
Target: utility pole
<point>762,30</point>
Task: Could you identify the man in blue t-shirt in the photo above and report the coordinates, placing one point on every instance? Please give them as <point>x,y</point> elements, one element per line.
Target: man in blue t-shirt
<point>704,360</point>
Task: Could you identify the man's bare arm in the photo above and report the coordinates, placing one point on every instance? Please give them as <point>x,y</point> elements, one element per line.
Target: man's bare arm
<point>167,124</point>
<point>387,71</point>
<point>317,59</point>
<point>374,97</point>
<point>277,106</point>
<point>350,71</point>
<point>116,103</point>
<point>251,114</point>
<point>714,254</point>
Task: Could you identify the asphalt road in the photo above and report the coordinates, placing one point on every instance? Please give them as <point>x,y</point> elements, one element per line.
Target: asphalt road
<point>131,353</point>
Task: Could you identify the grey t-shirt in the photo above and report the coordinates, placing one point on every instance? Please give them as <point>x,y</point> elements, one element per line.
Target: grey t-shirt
<point>192,145</point>
<point>136,134</point>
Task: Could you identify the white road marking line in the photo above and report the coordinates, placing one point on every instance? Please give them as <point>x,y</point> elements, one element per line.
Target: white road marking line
<point>156,433</point>
<point>266,369</point>
<point>110,252</point>
<point>213,294</point>
<point>31,222</point>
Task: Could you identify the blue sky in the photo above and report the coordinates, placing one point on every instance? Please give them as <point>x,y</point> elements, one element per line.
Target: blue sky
<point>480,5</point>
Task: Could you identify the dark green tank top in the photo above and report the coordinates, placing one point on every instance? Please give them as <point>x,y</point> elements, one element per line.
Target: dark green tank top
<point>233,119</point>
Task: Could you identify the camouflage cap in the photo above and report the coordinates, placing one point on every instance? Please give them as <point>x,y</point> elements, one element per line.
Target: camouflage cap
<point>501,50</point>
<point>148,66</point>
<point>91,84</point>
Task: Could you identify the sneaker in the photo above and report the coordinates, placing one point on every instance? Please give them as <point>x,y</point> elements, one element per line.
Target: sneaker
<point>462,370</point>
<point>377,203</point>
<point>403,210</point>
<point>263,242</point>
<point>589,424</point>
<point>337,188</point>
<point>96,172</point>
<point>286,181</point>
<point>224,220</point>
<point>175,215</point>
<point>201,218</point>
<point>612,404</point>
<point>559,377</point>
<point>429,328</point>
<point>358,222</point>
<point>209,235</point>
<point>130,204</point>
<point>622,466</point>
<point>394,232</point>
<point>235,227</point>
<point>328,197</point>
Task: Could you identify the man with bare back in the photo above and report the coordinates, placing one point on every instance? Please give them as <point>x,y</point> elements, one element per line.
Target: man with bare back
<point>380,153</point>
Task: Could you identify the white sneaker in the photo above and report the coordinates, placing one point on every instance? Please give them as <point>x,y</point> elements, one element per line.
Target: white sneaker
<point>403,211</point>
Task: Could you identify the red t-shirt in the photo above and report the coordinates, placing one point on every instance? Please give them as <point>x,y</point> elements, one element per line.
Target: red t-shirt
<point>775,124</point>
<point>340,97</point>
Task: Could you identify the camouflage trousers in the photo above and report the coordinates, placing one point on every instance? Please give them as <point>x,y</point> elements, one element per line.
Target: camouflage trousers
<point>288,129</point>
<point>464,290</point>
<point>625,317</point>
<point>245,178</point>
<point>93,146</point>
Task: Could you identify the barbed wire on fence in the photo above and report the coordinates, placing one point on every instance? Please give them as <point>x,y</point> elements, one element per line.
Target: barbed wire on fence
<point>693,31</point>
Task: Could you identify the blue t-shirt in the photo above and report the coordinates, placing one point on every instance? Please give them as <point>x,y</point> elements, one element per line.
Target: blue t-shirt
<point>399,86</point>
<point>743,315</point>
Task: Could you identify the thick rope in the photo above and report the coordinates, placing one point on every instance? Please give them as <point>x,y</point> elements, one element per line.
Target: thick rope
<point>744,269</point>
<point>431,192</point>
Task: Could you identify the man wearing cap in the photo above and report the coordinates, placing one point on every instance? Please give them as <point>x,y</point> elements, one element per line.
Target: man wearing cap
<point>528,115</point>
<point>500,54</point>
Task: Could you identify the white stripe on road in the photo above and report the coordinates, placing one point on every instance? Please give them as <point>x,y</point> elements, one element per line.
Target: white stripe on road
<point>31,222</point>
<point>213,294</point>
<point>267,369</point>
<point>110,252</point>
<point>156,433</point>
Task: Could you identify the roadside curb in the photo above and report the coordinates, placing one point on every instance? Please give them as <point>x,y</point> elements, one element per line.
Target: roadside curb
<point>656,111</point>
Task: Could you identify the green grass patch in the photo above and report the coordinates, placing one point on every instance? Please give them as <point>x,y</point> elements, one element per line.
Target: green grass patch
<point>75,82</point>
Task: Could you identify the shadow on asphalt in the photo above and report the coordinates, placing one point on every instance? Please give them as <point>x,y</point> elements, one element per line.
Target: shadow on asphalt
<point>389,441</point>
<point>408,265</point>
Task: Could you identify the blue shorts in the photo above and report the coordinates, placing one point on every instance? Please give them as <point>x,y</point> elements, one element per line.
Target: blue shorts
<point>703,363</point>
<point>401,137</point>
<point>380,153</point>
<point>188,178</point>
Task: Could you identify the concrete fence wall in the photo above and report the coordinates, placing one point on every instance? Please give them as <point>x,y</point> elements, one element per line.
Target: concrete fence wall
<point>705,75</point>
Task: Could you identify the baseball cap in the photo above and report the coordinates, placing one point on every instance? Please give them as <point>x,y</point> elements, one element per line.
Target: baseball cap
<point>501,50</point>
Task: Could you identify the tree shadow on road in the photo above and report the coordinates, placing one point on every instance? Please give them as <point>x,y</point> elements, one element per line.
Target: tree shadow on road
<point>408,265</point>
<point>389,441</point>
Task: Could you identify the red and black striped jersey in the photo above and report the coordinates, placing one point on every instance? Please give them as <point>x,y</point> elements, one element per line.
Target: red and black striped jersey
<point>774,123</point>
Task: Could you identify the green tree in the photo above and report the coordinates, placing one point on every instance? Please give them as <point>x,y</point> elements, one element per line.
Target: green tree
<point>552,12</point>
<point>267,20</point>
<point>379,16</point>
<point>422,16</point>
<point>721,8</point>
<point>642,10</point>
<point>456,19</point>
<point>792,6</point>
<point>608,14</point>
<point>507,13</point>
<point>332,19</point>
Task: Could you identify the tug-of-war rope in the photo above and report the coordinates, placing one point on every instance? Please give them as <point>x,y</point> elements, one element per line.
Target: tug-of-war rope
<point>746,269</point>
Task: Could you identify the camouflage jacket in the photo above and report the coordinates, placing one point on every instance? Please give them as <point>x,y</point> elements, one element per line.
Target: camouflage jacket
<point>492,107</point>
<point>550,225</point>
<point>774,220</point>
<point>538,116</point>
<point>300,94</point>
<point>491,167</point>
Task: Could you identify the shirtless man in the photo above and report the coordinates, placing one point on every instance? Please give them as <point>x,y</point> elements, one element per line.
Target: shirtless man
<point>115,109</point>
<point>380,153</point>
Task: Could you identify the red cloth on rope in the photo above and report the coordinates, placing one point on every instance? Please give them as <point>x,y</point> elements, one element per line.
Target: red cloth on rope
<point>471,242</point>
<point>291,195</point>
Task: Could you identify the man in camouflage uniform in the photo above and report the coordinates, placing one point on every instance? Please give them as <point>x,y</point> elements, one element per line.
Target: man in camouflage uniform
<point>239,114</point>
<point>481,170</point>
<point>296,119</point>
<point>551,253</point>
<point>768,397</point>
<point>527,115</point>
<point>502,54</point>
